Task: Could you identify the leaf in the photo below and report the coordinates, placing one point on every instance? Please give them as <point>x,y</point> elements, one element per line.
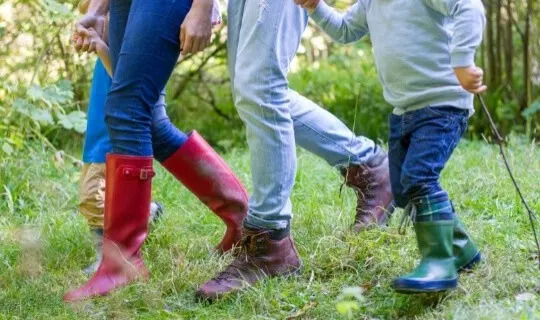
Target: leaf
<point>57,95</point>
<point>7,148</point>
<point>63,120</point>
<point>75,120</point>
<point>347,308</point>
<point>35,92</point>
<point>57,7</point>
<point>43,116</point>
<point>65,86</point>
<point>23,106</point>
<point>531,110</point>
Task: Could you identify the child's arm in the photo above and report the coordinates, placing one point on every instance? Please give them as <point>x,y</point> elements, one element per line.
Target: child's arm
<point>344,28</point>
<point>102,50</point>
<point>469,23</point>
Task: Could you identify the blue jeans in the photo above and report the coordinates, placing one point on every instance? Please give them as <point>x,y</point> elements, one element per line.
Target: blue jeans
<point>144,45</point>
<point>263,37</point>
<point>420,144</point>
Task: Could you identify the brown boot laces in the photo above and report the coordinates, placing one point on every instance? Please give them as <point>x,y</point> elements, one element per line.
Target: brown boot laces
<point>249,247</point>
<point>361,193</point>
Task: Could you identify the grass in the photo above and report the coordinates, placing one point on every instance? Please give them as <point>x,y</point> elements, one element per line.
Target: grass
<point>44,243</point>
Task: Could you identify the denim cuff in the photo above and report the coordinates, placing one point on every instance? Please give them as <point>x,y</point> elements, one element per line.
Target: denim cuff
<point>258,223</point>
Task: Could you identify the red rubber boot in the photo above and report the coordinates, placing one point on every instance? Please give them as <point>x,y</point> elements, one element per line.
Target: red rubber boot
<point>127,203</point>
<point>207,176</point>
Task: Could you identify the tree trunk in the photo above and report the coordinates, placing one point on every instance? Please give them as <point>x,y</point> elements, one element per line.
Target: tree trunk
<point>527,98</point>
<point>489,44</point>
<point>498,47</point>
<point>509,52</point>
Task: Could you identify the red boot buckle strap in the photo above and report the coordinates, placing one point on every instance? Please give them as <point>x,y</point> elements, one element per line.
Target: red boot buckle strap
<point>138,173</point>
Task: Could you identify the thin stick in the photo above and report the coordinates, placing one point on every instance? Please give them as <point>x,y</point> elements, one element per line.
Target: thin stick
<point>500,141</point>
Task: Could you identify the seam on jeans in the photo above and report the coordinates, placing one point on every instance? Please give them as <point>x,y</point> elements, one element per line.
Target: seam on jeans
<point>271,96</point>
<point>330,140</point>
<point>138,88</point>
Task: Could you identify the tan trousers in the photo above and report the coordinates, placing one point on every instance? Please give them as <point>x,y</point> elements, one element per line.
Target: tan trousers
<point>92,193</point>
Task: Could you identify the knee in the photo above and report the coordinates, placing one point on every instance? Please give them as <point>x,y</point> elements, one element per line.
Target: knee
<point>244,90</point>
<point>258,88</point>
<point>126,113</point>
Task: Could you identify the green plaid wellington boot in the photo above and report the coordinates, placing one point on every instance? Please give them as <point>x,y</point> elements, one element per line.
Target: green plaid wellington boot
<point>466,254</point>
<point>433,218</point>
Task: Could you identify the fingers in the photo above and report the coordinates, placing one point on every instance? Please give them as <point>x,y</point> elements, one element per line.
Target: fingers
<point>182,39</point>
<point>81,31</point>
<point>85,44</point>
<point>307,4</point>
<point>311,4</point>
<point>187,44</point>
<point>196,47</point>
<point>476,82</point>
<point>193,43</point>
<point>92,46</point>
<point>481,89</point>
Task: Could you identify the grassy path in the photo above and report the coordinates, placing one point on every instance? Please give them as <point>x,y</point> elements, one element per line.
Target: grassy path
<point>44,243</point>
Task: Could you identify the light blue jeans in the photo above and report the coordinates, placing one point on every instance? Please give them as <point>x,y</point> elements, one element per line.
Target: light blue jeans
<point>263,37</point>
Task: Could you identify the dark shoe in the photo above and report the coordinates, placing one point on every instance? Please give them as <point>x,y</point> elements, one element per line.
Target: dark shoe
<point>205,174</point>
<point>127,203</point>
<point>434,227</point>
<point>156,211</point>
<point>466,254</point>
<point>371,183</point>
<point>260,257</point>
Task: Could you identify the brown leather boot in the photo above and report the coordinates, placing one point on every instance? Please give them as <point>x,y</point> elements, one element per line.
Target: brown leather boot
<point>371,183</point>
<point>260,257</point>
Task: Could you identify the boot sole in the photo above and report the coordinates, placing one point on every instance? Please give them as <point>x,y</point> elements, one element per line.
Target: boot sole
<point>469,266</point>
<point>412,287</point>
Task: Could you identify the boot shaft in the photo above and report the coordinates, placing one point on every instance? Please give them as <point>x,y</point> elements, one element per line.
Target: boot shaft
<point>204,173</point>
<point>198,167</point>
<point>434,226</point>
<point>127,200</point>
<point>371,183</point>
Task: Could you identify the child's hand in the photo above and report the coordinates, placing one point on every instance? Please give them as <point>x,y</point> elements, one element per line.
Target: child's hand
<point>80,34</point>
<point>96,43</point>
<point>309,5</point>
<point>471,78</point>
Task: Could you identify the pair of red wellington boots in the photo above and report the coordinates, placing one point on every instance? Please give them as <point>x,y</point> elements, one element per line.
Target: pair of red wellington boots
<point>127,203</point>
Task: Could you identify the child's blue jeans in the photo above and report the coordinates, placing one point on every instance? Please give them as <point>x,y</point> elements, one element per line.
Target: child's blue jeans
<point>144,46</point>
<point>420,144</point>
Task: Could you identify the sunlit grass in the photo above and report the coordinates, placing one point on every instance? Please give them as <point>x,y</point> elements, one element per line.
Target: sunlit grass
<point>44,243</point>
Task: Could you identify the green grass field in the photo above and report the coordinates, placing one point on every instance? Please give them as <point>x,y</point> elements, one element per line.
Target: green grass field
<point>44,243</point>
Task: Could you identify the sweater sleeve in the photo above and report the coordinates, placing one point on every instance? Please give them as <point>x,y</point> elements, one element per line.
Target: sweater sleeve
<point>469,22</point>
<point>344,28</point>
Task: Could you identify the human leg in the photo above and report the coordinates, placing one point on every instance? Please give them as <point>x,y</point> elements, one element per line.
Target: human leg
<point>432,134</point>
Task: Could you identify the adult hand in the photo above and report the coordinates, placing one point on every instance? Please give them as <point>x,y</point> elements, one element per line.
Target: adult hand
<point>471,78</point>
<point>309,5</point>
<point>196,30</point>
<point>81,37</point>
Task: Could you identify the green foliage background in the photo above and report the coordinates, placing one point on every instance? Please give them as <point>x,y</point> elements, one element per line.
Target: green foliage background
<point>44,83</point>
